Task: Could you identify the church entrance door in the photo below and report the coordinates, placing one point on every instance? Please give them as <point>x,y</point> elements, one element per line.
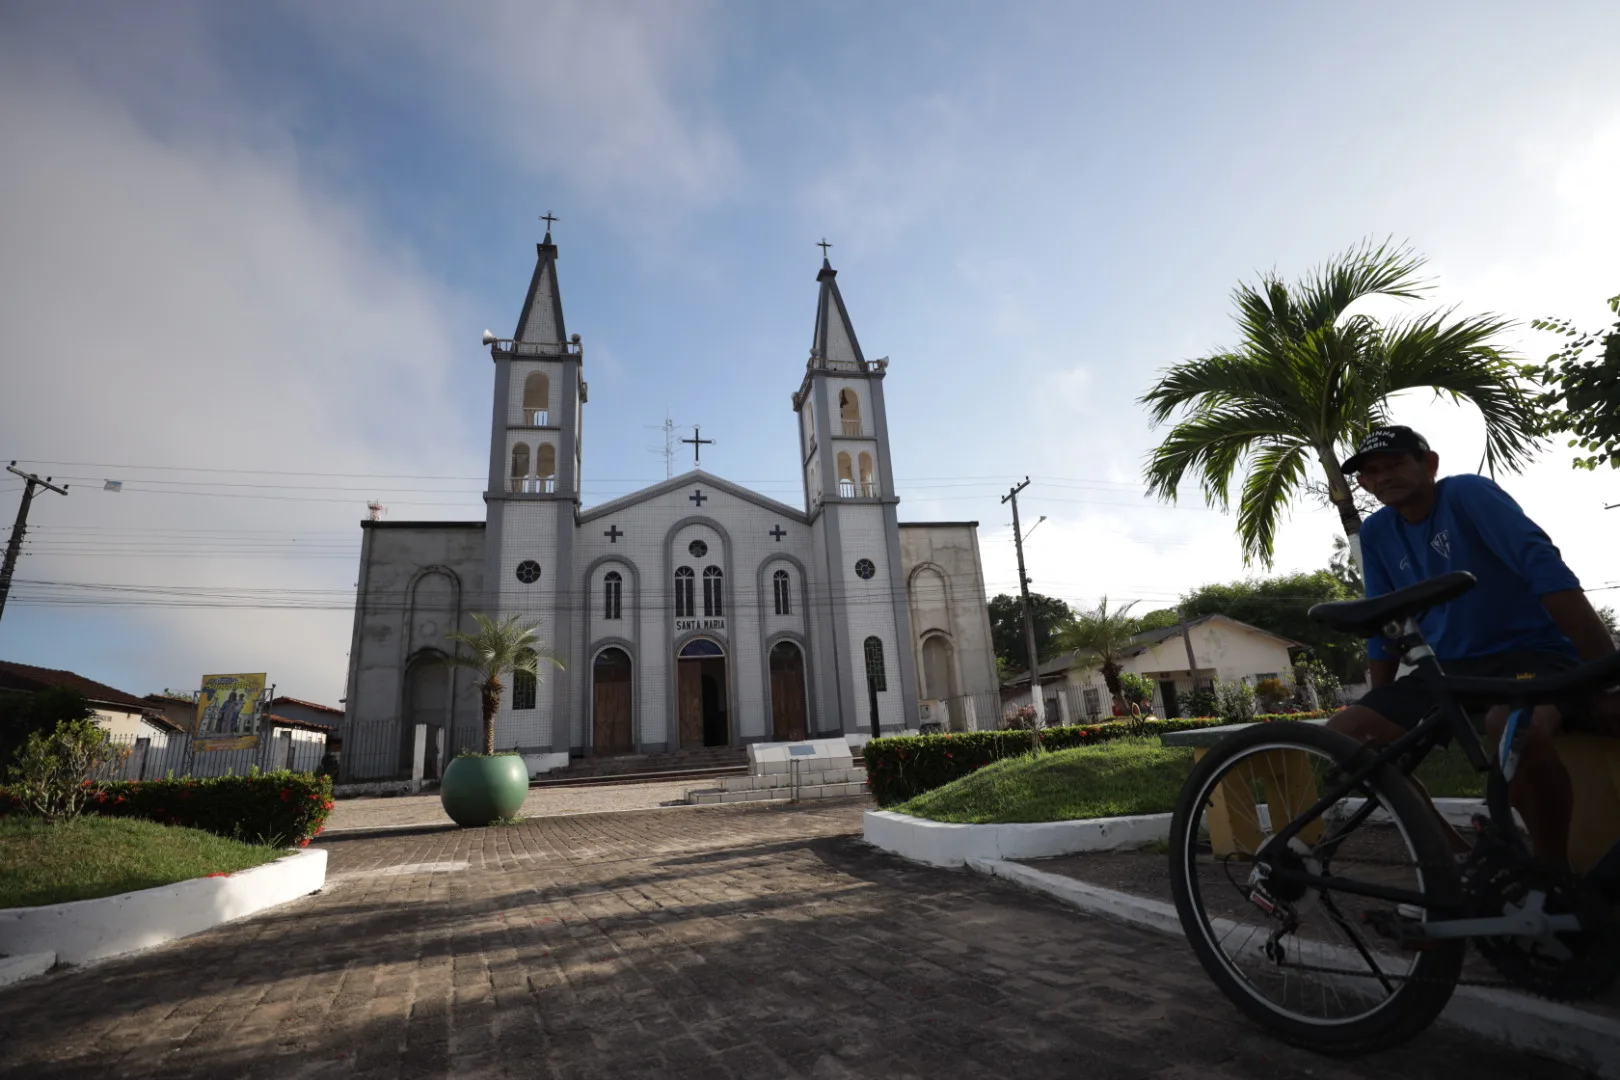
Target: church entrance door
<point>610,703</point>
<point>701,695</point>
<point>787,693</point>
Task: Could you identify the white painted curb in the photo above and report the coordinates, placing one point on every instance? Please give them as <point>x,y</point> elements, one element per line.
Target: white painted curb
<point>940,844</point>
<point>1525,1023</point>
<point>87,930</point>
<point>17,968</point>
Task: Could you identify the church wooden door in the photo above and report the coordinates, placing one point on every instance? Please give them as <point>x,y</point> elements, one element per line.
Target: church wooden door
<point>610,714</point>
<point>787,693</point>
<point>689,701</point>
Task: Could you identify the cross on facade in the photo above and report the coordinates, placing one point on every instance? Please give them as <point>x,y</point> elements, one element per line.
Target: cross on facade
<point>778,532</point>
<point>613,534</point>
<point>823,246</point>
<point>697,496</point>
<point>697,442</point>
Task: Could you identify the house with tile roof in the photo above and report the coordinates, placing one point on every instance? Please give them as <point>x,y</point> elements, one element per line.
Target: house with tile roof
<point>125,716</point>
<point>1211,648</point>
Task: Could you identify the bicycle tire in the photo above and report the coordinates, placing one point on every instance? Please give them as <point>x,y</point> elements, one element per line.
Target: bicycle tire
<point>1424,991</point>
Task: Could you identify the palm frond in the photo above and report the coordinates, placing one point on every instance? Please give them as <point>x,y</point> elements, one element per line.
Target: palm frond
<point>1275,474</point>
<point>1361,271</point>
<point>1212,444</point>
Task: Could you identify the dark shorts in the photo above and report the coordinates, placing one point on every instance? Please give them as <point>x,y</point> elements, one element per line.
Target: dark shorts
<point>1407,700</point>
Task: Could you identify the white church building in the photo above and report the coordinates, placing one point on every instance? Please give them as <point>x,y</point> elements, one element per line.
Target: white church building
<point>693,613</point>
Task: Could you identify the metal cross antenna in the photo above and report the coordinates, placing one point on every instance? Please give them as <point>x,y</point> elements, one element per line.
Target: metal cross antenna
<point>697,442</point>
<point>14,548</point>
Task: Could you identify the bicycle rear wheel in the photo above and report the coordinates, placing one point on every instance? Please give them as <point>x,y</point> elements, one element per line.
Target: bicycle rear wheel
<point>1319,968</point>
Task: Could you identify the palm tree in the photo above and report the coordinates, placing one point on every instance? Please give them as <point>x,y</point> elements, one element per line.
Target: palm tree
<point>496,649</point>
<point>1104,635</point>
<point>1307,380</point>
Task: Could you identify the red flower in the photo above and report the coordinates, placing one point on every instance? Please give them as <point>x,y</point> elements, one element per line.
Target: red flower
<point>217,873</point>
<point>949,754</point>
<point>328,804</point>
<point>304,842</point>
<point>285,795</point>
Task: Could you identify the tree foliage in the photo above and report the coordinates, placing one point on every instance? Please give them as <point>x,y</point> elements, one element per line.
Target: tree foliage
<point>1162,619</point>
<point>1584,378</point>
<point>1099,637</point>
<point>496,648</point>
<point>1309,377</point>
<point>22,714</point>
<point>1280,605</point>
<point>1007,629</point>
<point>52,776</point>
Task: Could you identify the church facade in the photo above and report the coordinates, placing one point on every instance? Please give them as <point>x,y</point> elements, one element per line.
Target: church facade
<point>693,613</point>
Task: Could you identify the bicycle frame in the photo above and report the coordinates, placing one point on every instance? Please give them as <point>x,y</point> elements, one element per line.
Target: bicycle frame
<point>1409,750</point>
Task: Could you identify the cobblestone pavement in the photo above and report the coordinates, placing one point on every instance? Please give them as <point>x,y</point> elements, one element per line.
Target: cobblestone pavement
<point>761,941</point>
<point>375,812</point>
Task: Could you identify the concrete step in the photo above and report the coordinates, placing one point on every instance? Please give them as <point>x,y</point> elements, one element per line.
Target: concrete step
<point>651,766</point>
<point>817,791</point>
<point>753,782</point>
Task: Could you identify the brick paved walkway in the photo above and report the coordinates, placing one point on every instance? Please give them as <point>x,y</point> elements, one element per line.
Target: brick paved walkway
<point>712,942</point>
<point>372,812</point>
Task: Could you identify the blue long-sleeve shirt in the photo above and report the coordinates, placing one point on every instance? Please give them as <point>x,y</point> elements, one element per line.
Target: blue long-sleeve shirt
<point>1474,526</point>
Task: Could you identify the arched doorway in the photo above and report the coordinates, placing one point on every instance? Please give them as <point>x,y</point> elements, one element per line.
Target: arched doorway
<point>939,678</point>
<point>787,693</point>
<point>427,701</point>
<point>610,703</point>
<point>701,696</point>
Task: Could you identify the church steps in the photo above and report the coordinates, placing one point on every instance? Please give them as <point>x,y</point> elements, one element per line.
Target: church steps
<point>697,762</point>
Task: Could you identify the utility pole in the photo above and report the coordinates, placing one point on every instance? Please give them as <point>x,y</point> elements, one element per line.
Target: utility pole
<point>14,548</point>
<point>1029,615</point>
<point>1186,638</point>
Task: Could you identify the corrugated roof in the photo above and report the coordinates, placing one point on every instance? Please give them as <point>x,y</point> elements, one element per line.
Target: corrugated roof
<point>1141,643</point>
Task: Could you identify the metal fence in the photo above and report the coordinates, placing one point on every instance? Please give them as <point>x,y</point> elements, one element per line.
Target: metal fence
<point>154,759</point>
<point>385,750</point>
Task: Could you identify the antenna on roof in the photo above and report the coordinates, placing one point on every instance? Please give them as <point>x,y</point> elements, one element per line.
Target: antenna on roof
<point>376,510</point>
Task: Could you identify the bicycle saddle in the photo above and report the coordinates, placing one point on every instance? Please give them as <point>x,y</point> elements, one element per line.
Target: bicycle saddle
<point>1366,618</point>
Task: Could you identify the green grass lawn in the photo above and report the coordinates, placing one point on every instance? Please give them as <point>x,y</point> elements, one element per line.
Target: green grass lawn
<point>1111,779</point>
<point>96,856</point>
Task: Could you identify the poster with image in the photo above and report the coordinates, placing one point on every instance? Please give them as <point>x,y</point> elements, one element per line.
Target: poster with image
<point>228,707</point>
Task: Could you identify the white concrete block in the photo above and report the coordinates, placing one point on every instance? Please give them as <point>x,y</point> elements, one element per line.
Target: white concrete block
<point>941,844</point>
<point>539,764</point>
<point>88,930</point>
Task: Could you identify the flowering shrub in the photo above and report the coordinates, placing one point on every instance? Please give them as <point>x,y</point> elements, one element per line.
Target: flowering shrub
<point>901,767</point>
<point>1018,718</point>
<point>283,809</point>
<point>51,776</point>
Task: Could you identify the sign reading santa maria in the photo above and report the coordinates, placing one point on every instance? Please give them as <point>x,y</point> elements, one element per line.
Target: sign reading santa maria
<point>700,624</point>
<point>228,711</point>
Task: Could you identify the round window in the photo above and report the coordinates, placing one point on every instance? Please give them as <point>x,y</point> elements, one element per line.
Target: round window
<point>698,549</point>
<point>864,569</point>
<point>528,571</point>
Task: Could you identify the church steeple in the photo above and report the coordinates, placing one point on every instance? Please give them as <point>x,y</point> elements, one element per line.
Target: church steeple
<point>835,343</point>
<point>541,320</point>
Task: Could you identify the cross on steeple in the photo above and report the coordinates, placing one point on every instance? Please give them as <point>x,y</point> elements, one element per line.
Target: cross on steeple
<point>823,246</point>
<point>548,219</point>
<point>697,442</point>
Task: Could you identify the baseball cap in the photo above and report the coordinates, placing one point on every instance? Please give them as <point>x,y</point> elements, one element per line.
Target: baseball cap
<point>1396,439</point>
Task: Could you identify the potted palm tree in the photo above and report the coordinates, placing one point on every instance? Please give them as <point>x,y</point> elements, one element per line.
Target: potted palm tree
<point>478,789</point>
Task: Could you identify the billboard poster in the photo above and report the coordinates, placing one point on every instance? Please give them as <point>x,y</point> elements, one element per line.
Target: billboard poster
<point>228,710</point>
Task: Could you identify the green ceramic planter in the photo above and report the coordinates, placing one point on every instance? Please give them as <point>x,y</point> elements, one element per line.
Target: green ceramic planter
<point>478,790</point>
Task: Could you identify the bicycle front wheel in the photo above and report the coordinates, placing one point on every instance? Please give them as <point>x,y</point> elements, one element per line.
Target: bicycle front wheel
<point>1320,967</point>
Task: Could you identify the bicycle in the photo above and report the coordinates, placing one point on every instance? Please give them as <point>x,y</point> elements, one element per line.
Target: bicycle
<point>1357,912</point>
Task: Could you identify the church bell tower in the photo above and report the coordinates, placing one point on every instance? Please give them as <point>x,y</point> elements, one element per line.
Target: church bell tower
<point>862,615</point>
<point>533,496</point>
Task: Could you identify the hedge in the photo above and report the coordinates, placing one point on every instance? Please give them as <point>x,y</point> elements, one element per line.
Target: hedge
<point>900,767</point>
<point>283,809</point>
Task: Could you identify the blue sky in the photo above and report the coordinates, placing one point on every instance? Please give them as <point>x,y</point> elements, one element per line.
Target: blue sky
<point>264,239</point>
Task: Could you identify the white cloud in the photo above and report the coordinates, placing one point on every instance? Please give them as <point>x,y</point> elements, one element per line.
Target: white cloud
<point>170,295</point>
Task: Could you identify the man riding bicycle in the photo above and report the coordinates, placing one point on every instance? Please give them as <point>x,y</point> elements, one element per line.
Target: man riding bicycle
<point>1527,616</point>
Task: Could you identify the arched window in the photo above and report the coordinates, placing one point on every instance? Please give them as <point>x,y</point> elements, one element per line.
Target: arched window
<point>520,467</point>
<point>537,399</point>
<point>613,585</point>
<point>683,592</point>
<point>525,687</point>
<point>874,663</point>
<point>784,592</point>
<point>712,603</point>
<point>545,467</point>
<point>868,486</point>
<point>846,476</point>
<point>849,412</point>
